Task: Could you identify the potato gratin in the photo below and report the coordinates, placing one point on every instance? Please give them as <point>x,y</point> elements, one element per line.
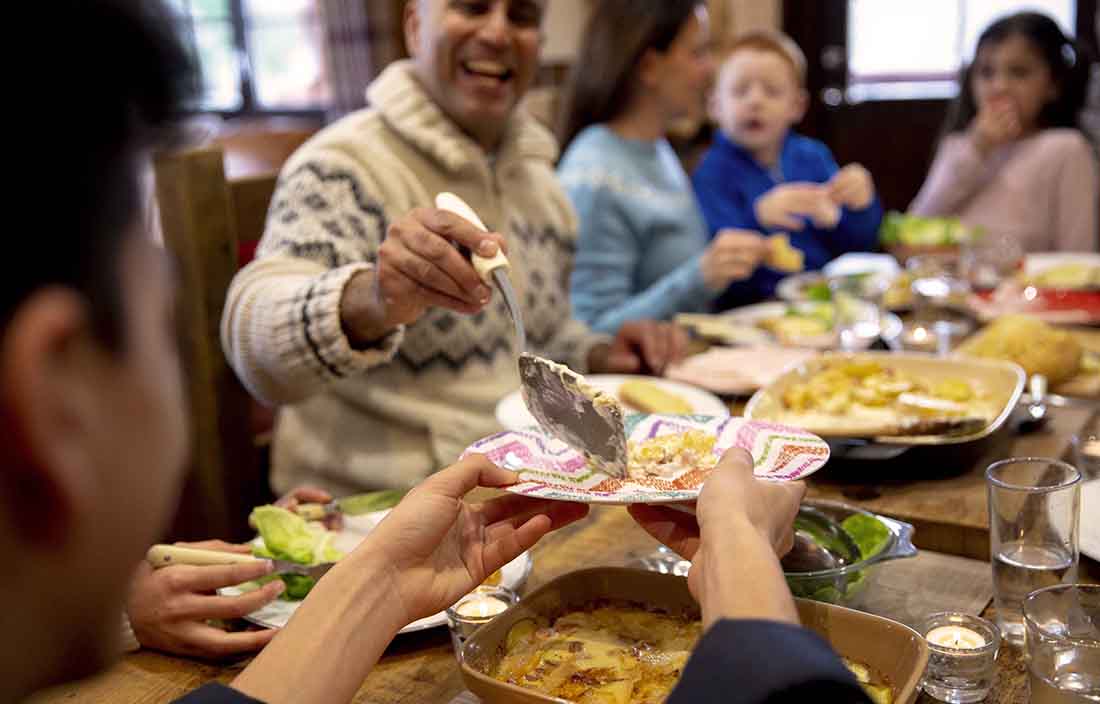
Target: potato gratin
<point>615,654</point>
<point>667,455</point>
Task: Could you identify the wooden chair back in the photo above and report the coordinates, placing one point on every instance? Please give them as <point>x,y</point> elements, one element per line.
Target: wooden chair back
<point>206,220</point>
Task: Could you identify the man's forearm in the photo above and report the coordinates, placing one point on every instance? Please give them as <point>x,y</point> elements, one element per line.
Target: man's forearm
<point>333,640</point>
<point>362,314</point>
<point>743,577</point>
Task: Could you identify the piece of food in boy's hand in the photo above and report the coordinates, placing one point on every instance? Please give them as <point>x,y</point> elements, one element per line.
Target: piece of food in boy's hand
<point>782,256</point>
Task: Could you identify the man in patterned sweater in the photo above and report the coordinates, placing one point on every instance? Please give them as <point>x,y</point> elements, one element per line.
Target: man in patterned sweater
<point>361,314</point>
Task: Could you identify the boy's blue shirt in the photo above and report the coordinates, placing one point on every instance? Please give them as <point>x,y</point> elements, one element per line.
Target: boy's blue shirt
<point>727,184</point>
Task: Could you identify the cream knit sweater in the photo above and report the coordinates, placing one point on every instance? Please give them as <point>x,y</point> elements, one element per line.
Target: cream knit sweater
<point>388,417</point>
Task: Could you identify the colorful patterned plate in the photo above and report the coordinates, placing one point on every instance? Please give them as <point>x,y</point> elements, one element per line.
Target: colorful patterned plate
<point>550,469</point>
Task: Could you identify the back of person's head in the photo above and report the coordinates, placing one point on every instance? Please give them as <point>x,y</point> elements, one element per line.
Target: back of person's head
<point>771,41</point>
<point>125,79</point>
<point>1065,59</point>
<point>91,407</point>
<point>619,33</point>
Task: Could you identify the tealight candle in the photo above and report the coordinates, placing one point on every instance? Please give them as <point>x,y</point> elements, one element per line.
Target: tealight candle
<point>961,658</point>
<point>476,609</point>
<point>958,637</point>
<point>480,606</point>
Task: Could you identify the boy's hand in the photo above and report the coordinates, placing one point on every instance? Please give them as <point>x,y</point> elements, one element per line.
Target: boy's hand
<point>785,206</point>
<point>852,187</point>
<point>733,255</point>
<point>996,124</point>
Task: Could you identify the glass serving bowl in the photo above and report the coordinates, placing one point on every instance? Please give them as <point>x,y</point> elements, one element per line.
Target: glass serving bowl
<point>827,566</point>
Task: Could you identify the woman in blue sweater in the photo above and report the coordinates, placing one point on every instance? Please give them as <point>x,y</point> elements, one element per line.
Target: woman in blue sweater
<point>642,250</point>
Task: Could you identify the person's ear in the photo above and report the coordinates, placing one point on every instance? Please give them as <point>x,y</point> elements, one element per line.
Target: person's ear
<point>412,23</point>
<point>48,370</point>
<point>650,73</point>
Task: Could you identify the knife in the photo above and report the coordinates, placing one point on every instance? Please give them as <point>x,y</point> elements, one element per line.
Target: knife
<point>166,555</point>
<point>492,270</point>
<point>355,505</point>
<point>559,398</point>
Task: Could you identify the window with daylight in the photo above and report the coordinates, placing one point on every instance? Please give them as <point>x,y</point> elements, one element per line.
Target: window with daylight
<point>900,49</point>
<point>257,56</point>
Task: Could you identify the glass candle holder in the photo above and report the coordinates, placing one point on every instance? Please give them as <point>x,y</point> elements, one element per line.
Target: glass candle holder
<point>962,656</point>
<point>474,610</point>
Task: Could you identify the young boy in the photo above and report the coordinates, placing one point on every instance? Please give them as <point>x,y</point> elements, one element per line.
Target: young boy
<point>760,175</point>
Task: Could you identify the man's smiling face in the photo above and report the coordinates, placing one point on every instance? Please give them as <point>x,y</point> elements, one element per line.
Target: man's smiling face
<point>476,58</point>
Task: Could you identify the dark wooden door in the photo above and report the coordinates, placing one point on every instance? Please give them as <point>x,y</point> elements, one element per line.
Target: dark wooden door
<point>894,139</point>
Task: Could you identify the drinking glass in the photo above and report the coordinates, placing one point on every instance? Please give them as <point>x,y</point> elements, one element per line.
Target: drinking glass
<point>857,301</point>
<point>1034,507</point>
<point>991,259</point>
<point>1063,644</point>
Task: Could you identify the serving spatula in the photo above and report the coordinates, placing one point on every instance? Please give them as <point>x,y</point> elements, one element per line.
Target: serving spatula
<point>165,555</point>
<point>559,399</point>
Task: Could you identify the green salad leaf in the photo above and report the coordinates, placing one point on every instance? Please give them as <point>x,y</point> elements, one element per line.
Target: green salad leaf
<point>869,533</point>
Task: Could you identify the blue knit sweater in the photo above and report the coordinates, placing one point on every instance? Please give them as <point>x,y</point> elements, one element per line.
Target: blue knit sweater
<point>641,234</point>
<point>728,182</point>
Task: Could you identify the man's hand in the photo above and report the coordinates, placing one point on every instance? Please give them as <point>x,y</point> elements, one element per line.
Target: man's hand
<point>418,266</point>
<point>641,346</point>
<point>733,255</point>
<point>852,187</point>
<point>169,607</point>
<point>785,206</point>
<point>435,547</point>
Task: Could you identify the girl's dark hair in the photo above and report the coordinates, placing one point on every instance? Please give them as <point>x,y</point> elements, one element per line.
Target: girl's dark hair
<point>618,34</point>
<point>1067,61</point>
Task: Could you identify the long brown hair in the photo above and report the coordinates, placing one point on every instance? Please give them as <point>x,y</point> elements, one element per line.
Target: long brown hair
<point>618,34</point>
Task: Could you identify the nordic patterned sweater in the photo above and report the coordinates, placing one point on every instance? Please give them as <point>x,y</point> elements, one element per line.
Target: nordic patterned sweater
<point>388,417</point>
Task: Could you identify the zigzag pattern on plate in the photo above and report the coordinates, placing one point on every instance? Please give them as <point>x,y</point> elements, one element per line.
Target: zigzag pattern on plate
<point>551,469</point>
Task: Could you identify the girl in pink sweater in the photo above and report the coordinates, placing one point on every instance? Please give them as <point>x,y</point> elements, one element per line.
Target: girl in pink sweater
<point>1013,159</point>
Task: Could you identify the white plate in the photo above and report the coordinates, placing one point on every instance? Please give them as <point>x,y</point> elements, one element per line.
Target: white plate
<point>753,314</point>
<point>550,469</point>
<point>1041,261</point>
<point>1090,519</point>
<point>278,613</point>
<point>512,412</point>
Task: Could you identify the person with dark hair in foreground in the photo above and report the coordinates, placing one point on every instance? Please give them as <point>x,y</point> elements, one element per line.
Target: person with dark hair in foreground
<point>92,413</point>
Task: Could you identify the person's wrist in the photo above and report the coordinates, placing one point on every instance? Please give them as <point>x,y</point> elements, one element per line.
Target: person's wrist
<point>362,311</point>
<point>371,566</point>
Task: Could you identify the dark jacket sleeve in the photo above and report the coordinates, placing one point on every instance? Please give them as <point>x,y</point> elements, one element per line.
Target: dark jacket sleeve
<point>764,662</point>
<point>216,693</point>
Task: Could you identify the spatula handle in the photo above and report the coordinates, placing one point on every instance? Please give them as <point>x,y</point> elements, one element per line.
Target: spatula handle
<point>165,555</point>
<point>484,266</point>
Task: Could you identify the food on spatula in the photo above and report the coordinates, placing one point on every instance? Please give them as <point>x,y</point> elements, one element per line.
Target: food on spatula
<point>615,653</point>
<point>782,256</point>
<point>860,398</point>
<point>287,536</point>
<point>1036,346</point>
<point>648,397</point>
<point>668,455</point>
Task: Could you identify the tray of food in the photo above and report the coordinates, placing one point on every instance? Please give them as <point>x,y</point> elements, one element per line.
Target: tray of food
<point>893,398</point>
<point>1057,287</point>
<point>1069,359</point>
<point>619,635</point>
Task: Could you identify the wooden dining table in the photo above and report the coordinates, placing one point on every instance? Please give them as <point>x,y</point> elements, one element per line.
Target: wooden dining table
<point>950,516</point>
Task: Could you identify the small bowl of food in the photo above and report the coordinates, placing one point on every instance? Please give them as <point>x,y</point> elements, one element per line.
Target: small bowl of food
<point>836,547</point>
